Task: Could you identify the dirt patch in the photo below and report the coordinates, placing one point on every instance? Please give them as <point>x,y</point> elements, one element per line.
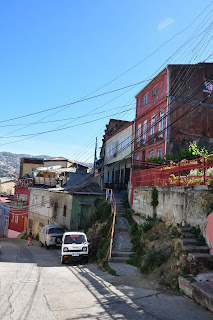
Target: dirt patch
<point>159,255</point>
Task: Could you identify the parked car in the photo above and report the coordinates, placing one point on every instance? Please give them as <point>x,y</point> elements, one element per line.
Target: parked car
<point>51,235</point>
<point>74,246</point>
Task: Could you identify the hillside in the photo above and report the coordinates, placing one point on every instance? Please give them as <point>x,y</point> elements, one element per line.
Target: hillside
<point>10,162</point>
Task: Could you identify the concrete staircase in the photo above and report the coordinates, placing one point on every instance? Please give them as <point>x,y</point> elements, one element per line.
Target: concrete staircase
<point>122,245</point>
<point>197,252</point>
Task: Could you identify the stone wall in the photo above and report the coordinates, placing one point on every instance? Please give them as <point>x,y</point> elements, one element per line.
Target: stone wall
<point>179,205</point>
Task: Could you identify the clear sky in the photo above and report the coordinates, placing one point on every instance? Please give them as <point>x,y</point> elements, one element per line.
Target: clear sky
<point>57,52</point>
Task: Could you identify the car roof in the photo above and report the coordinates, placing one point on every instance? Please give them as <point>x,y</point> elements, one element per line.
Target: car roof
<point>53,226</point>
<point>74,232</point>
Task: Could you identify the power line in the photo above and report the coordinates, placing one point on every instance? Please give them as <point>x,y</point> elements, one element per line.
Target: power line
<point>88,98</point>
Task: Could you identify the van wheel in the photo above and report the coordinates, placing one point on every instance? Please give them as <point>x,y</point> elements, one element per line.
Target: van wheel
<point>41,244</point>
<point>47,247</point>
<point>85,260</point>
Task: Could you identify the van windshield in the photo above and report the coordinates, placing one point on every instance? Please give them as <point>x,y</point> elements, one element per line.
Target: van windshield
<point>77,239</point>
<point>56,230</point>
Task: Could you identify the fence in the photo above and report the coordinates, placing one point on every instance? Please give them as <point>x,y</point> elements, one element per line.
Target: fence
<point>24,183</point>
<point>110,197</point>
<point>184,173</point>
<point>45,181</point>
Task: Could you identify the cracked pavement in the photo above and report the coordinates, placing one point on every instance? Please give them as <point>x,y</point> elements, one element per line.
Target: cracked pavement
<point>34,285</point>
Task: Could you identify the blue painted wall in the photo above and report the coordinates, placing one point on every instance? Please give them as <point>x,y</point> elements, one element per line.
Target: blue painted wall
<point>5,210</point>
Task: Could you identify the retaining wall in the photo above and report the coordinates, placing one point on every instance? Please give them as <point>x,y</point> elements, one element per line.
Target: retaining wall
<point>179,205</point>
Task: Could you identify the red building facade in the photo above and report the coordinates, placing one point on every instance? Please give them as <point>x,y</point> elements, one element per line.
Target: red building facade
<point>173,110</point>
<point>19,207</point>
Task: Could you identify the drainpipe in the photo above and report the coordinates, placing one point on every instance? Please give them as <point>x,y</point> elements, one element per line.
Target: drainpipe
<point>167,138</point>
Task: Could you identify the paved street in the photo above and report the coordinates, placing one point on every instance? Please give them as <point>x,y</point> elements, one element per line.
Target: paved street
<point>34,285</point>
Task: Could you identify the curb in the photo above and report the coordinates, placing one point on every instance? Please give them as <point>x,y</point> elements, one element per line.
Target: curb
<point>201,292</point>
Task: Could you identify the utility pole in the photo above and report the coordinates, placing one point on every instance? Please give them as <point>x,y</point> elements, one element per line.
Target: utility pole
<point>95,156</point>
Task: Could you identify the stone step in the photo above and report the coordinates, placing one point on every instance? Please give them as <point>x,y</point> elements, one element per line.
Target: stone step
<point>190,248</point>
<point>119,259</point>
<point>121,254</point>
<point>189,241</point>
<point>184,229</point>
<point>188,235</point>
<point>123,229</point>
<point>120,214</point>
<point>205,258</point>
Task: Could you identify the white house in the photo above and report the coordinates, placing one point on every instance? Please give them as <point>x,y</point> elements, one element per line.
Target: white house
<point>117,157</point>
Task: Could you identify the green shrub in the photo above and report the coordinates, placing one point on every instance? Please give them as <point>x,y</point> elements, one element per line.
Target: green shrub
<point>133,229</point>
<point>125,202</point>
<point>146,225</point>
<point>154,196</point>
<point>129,217</point>
<point>103,249</point>
<point>197,232</point>
<point>101,219</point>
<point>25,236</point>
<point>152,259</point>
<point>109,269</point>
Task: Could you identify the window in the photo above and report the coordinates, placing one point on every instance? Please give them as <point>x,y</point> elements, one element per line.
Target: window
<point>151,154</point>
<point>161,121</point>
<point>35,199</point>
<point>139,134</point>
<point>75,238</point>
<point>152,131</point>
<point>16,219</point>
<point>160,153</point>
<point>154,91</point>
<point>138,158</point>
<point>145,98</point>
<point>55,208</point>
<point>112,151</point>
<point>65,212</point>
<point>144,130</point>
<point>122,144</point>
<point>56,230</point>
<point>107,152</point>
<point>127,141</point>
<point>43,201</point>
<point>116,148</point>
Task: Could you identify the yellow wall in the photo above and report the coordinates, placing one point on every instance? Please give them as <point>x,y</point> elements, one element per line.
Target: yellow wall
<point>49,174</point>
<point>27,168</point>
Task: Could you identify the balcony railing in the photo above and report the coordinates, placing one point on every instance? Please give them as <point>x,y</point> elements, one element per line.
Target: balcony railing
<point>45,181</point>
<point>19,204</point>
<point>24,183</point>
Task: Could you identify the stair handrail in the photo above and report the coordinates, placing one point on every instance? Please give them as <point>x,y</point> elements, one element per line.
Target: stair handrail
<point>111,197</point>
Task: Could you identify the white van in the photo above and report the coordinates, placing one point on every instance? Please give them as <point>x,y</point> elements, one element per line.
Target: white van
<point>74,246</point>
<point>51,235</point>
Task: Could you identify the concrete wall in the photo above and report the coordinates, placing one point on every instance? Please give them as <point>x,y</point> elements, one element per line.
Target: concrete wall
<point>62,199</point>
<point>7,187</point>
<point>180,205</point>
<point>83,208</point>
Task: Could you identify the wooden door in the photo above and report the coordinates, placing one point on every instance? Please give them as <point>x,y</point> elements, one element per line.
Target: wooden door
<point>25,224</point>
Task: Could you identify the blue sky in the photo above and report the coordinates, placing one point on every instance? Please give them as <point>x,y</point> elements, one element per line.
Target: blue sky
<point>56,52</point>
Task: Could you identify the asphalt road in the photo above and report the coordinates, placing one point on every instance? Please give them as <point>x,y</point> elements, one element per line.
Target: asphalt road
<point>34,285</point>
